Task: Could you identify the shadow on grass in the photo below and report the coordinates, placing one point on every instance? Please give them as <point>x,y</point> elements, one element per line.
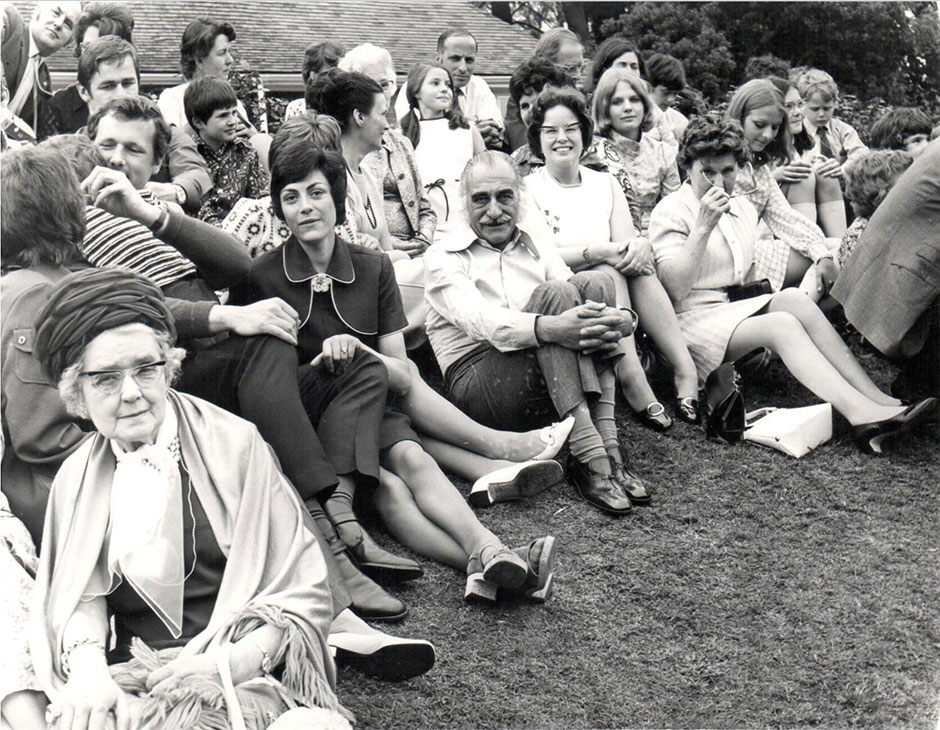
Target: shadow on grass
<point>757,591</point>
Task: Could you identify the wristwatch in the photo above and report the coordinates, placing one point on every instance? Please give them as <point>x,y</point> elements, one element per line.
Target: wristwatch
<point>181,196</point>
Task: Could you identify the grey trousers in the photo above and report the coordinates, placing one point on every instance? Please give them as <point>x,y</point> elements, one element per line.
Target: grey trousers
<point>525,389</point>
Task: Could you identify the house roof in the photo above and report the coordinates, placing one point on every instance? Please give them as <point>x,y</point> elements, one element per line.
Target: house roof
<point>272,36</point>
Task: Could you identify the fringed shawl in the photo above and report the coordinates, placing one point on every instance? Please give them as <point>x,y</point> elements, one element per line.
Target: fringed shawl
<point>275,572</point>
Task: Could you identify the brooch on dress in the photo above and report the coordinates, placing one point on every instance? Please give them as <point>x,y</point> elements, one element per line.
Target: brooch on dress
<point>320,283</point>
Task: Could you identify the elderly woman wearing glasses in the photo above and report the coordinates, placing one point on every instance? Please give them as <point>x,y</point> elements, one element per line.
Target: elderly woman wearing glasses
<point>704,237</point>
<point>175,521</point>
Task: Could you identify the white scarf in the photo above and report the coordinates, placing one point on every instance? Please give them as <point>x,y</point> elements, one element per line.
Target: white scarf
<point>145,546</point>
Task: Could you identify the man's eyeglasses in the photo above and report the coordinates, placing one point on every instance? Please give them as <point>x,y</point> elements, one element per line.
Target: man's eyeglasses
<point>575,70</point>
<point>110,382</point>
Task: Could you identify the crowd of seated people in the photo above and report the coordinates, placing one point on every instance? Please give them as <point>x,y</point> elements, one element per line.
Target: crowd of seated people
<point>229,356</point>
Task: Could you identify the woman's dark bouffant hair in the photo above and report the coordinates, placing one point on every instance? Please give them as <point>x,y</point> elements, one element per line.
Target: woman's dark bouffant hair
<point>198,39</point>
<point>42,219</point>
<point>320,57</point>
<point>411,124</point>
<point>569,98</point>
<point>608,52</point>
<point>296,160</point>
<point>340,93</point>
<point>712,135</point>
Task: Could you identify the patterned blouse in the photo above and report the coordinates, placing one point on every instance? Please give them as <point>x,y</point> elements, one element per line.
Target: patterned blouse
<point>646,171</point>
<point>850,239</point>
<point>788,229</point>
<point>407,209</point>
<point>236,173</point>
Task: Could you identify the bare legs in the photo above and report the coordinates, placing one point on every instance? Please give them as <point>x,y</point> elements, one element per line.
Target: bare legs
<point>646,295</point>
<point>820,200</point>
<point>424,511</point>
<point>26,708</point>
<point>460,461</point>
<point>433,414</point>
<point>798,332</point>
<point>830,206</point>
<point>802,196</point>
<point>636,388</point>
<point>659,321</point>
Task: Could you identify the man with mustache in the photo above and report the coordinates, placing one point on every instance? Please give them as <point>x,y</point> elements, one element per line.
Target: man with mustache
<point>521,339</point>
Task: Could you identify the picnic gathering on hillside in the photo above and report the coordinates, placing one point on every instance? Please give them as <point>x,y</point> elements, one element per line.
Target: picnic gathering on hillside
<point>266,364</point>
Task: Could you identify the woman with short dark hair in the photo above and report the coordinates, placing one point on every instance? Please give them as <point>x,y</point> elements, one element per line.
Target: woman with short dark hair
<point>704,238</point>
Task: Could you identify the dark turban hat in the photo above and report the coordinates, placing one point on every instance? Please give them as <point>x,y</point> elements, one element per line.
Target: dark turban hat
<point>92,301</point>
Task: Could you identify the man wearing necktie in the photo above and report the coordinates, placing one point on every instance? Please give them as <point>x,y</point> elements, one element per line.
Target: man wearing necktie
<point>25,50</point>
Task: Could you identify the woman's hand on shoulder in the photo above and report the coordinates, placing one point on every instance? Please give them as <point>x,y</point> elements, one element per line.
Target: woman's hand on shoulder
<point>792,172</point>
<point>338,352</point>
<point>85,702</point>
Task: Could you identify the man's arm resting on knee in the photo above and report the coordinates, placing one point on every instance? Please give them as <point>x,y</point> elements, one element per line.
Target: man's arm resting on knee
<point>588,327</point>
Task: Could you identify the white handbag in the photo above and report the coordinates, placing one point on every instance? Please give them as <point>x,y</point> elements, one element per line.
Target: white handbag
<point>794,431</point>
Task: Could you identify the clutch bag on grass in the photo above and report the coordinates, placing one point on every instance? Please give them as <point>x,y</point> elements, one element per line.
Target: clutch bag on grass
<point>794,431</point>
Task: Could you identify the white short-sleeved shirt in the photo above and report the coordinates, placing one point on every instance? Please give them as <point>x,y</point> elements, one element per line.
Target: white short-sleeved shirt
<point>476,100</point>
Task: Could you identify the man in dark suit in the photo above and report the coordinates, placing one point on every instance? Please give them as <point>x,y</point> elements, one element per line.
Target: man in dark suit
<point>24,50</point>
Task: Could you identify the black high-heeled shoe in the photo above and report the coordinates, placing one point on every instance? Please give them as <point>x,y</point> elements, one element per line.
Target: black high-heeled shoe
<point>870,436</point>
<point>687,409</point>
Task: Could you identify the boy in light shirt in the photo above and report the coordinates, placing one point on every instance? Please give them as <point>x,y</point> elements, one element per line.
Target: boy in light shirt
<point>834,140</point>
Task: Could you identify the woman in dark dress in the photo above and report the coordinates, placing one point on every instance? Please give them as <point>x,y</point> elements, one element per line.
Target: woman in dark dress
<point>349,305</point>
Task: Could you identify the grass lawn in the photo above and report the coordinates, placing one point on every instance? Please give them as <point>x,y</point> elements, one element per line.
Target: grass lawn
<point>757,590</point>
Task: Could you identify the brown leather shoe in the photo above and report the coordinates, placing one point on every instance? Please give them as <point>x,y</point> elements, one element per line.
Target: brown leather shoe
<point>632,485</point>
<point>599,489</point>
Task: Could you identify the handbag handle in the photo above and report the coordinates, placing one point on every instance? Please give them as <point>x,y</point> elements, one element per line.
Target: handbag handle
<point>235,716</point>
<point>752,417</point>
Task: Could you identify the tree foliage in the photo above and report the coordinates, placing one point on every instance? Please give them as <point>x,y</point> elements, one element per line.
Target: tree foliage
<point>887,49</point>
<point>683,30</point>
<point>872,49</point>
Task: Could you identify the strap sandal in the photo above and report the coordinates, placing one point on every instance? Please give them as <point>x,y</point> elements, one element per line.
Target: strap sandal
<point>492,567</point>
<point>655,417</point>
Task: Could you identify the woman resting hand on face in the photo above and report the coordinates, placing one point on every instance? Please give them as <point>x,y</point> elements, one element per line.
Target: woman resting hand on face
<point>704,238</point>
<point>588,217</point>
<point>175,522</point>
